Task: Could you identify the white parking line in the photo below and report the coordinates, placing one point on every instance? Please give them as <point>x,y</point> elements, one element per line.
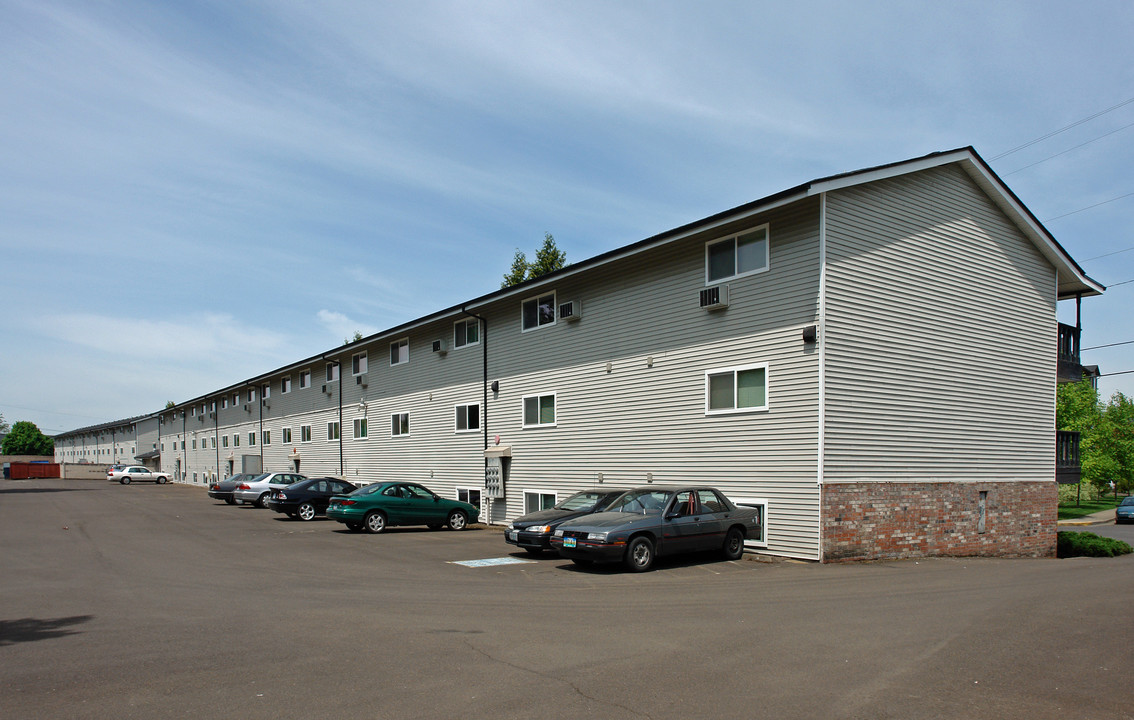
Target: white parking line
<point>491,562</point>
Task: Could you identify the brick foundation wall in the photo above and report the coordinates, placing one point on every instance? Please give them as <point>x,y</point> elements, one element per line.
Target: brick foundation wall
<point>888,520</point>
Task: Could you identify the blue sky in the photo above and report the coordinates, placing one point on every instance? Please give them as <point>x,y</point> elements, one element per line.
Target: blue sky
<point>193,193</point>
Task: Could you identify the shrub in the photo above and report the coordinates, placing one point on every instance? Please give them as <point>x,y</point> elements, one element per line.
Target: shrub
<point>1087,544</point>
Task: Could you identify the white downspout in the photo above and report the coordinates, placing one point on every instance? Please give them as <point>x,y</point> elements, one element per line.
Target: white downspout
<point>821,337</point>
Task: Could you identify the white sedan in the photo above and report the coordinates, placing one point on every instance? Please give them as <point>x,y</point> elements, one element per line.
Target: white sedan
<point>132,473</point>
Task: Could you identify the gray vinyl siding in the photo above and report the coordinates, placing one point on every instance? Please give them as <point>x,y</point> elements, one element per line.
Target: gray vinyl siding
<point>636,420</point>
<point>939,338</point>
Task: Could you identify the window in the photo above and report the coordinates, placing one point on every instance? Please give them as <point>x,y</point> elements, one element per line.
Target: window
<point>266,391</point>
<point>251,439</point>
<point>358,363</point>
<point>285,385</point>
<point>213,406</point>
<point>468,418</point>
<point>235,399</point>
<point>182,446</point>
<point>213,443</point>
<point>286,435</point>
<point>359,428</point>
<point>332,372</point>
<point>740,254</point>
<point>224,441</point>
<point>305,433</point>
<point>399,424</point>
<point>466,332</point>
<point>537,312</point>
<point>333,430</point>
<point>193,444</point>
<point>736,389</point>
<point>469,495</point>
<point>304,379</point>
<point>251,395</point>
<point>224,402</point>
<point>266,437</point>
<point>760,537</point>
<point>536,501</point>
<point>236,439</point>
<point>539,410</point>
<point>399,352</point>
<point>193,411</point>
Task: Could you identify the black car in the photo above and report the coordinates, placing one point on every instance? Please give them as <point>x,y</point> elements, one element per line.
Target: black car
<point>652,521</point>
<point>532,532</point>
<point>307,498</point>
<point>222,490</point>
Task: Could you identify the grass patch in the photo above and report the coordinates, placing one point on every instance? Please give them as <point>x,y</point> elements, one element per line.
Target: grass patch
<point>1086,507</point>
<point>1087,544</point>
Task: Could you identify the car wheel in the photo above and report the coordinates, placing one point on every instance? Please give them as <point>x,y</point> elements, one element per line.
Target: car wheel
<point>458,520</point>
<point>639,554</point>
<point>262,501</point>
<point>305,512</point>
<point>125,480</point>
<point>733,544</point>
<point>353,526</point>
<point>582,562</point>
<point>375,522</point>
<point>230,501</point>
<point>161,480</point>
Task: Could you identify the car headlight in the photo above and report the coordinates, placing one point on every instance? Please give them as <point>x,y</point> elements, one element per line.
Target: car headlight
<point>538,529</point>
<point>511,526</point>
<point>600,536</point>
<point>558,532</point>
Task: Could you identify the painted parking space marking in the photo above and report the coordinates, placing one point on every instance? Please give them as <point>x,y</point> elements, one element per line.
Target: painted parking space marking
<point>491,562</point>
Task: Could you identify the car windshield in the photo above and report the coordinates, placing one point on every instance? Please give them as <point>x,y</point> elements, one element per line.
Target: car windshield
<point>640,501</point>
<point>258,478</point>
<point>368,489</point>
<point>1128,500</point>
<point>580,501</point>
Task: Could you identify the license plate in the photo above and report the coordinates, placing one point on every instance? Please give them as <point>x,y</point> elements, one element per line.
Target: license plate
<point>513,535</point>
<point>568,542</point>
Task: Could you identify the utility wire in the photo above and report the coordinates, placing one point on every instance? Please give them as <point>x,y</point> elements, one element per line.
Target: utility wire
<point>1120,372</point>
<point>1096,347</point>
<point>1053,133</point>
<point>1050,157</point>
<point>1116,252</point>
<point>1104,202</point>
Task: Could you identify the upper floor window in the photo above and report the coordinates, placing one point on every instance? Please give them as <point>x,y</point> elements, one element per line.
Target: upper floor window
<point>537,312</point>
<point>304,379</point>
<point>224,402</point>
<point>399,352</point>
<point>741,254</point>
<point>399,424</point>
<point>466,332</point>
<point>285,385</point>
<point>467,418</point>
<point>736,389</point>
<point>332,372</point>
<point>360,430</point>
<point>332,431</point>
<point>235,399</point>
<point>266,391</point>
<point>251,394</point>
<point>358,364</point>
<point>539,410</point>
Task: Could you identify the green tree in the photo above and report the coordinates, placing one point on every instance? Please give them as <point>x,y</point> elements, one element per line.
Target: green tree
<point>548,259</point>
<point>169,404</point>
<point>26,439</point>
<point>356,338</point>
<point>3,425</point>
<point>1106,434</point>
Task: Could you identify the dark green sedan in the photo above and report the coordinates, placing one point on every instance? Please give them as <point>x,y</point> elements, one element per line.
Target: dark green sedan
<point>375,507</point>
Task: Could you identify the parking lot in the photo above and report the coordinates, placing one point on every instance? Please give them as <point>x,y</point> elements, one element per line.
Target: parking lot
<point>153,601</point>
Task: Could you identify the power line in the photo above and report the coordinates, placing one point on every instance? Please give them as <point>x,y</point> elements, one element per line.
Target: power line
<point>1104,202</point>
<point>1096,347</point>
<point>1053,133</point>
<point>1050,157</point>
<point>1116,252</point>
<point>1120,372</point>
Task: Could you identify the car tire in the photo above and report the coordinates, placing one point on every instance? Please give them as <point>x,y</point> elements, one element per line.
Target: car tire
<point>374,523</point>
<point>305,512</point>
<point>161,480</point>
<point>639,554</point>
<point>458,520</point>
<point>230,501</point>
<point>733,544</point>
<point>125,480</point>
<point>262,501</point>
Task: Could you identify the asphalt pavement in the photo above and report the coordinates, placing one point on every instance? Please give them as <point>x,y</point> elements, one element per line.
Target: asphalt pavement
<point>147,601</point>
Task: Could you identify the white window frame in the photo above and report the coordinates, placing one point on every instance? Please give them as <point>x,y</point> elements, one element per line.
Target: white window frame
<point>266,391</point>
<point>285,385</point>
<point>409,427</point>
<point>236,440</point>
<point>538,493</point>
<point>735,371</point>
<point>361,423</point>
<point>213,442</point>
<point>304,379</point>
<point>733,238</point>
<point>536,299</point>
<point>265,437</point>
<point>252,439</point>
<point>468,494</point>
<point>224,442</point>
<point>456,425</point>
<point>461,332</point>
<point>224,402</point>
<point>251,395</point>
<point>332,372</point>
<point>761,503</point>
<point>304,433</point>
<point>523,408</point>
<point>399,344</point>
<point>334,431</point>
<point>235,399</point>
<point>285,436</point>
<point>358,364</point>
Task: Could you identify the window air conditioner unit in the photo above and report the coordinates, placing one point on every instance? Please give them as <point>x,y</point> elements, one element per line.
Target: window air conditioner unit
<point>440,347</point>
<point>715,298</point>
<point>327,388</point>
<point>361,380</point>
<point>571,310</point>
<point>247,408</point>
<point>201,418</point>
<point>212,415</point>
<point>267,405</point>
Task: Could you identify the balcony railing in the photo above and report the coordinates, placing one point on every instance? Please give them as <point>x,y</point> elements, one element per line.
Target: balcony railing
<point>1069,368</point>
<point>1067,468</point>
